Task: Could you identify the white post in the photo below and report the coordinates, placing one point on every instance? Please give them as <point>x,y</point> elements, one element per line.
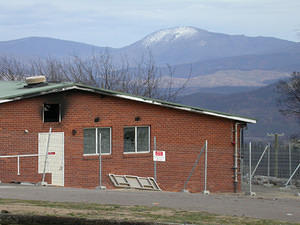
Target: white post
<point>269,163</point>
<point>290,160</point>
<point>154,148</point>
<point>205,171</point>
<point>250,169</point>
<point>250,172</point>
<point>100,161</point>
<point>46,156</point>
<point>18,157</point>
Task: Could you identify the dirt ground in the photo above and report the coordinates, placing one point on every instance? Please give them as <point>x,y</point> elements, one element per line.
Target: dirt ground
<point>269,203</point>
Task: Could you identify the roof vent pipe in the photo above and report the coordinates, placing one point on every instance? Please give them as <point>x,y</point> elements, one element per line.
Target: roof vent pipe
<point>35,81</point>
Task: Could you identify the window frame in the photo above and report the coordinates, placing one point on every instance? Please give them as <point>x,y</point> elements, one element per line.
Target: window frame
<point>96,141</point>
<point>59,112</point>
<point>135,140</point>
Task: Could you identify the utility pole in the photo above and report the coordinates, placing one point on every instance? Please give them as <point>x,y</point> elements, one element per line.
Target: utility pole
<point>276,146</point>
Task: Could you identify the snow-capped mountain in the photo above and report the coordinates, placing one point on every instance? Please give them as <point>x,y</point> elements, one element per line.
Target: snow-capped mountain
<point>170,35</point>
<point>209,52</point>
<point>181,45</point>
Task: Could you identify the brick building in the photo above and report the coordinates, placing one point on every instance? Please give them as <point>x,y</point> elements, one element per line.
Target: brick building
<point>78,114</point>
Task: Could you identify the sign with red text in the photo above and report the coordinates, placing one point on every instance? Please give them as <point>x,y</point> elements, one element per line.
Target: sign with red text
<point>159,156</point>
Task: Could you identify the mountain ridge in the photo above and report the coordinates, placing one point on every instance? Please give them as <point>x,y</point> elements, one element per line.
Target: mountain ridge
<point>183,48</point>
<point>46,46</point>
<point>197,45</point>
<point>206,45</point>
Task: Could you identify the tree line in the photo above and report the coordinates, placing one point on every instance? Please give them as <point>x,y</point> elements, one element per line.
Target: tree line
<point>143,79</point>
<point>289,100</point>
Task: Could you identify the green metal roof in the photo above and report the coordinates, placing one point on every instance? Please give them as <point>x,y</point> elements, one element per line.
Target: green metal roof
<point>15,90</point>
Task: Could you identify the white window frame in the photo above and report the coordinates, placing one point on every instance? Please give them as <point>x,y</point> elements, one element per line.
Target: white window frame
<point>96,149</point>
<point>135,140</point>
<point>59,119</point>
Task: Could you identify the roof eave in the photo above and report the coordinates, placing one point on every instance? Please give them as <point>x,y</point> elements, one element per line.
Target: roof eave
<point>50,91</point>
<point>130,97</point>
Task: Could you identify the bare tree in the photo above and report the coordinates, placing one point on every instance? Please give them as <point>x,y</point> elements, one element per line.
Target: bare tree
<point>145,79</point>
<point>289,99</point>
<point>172,92</point>
<point>11,68</point>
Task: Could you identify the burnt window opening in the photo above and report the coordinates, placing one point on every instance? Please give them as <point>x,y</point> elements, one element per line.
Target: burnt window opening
<point>52,113</point>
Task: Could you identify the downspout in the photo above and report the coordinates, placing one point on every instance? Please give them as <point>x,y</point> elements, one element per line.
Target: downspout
<point>242,126</point>
<point>235,157</point>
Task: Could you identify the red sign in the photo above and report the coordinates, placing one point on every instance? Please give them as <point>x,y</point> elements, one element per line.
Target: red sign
<point>51,153</point>
<point>159,153</point>
<point>159,156</point>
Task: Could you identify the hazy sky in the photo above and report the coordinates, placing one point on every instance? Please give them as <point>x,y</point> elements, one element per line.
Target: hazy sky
<point>117,23</point>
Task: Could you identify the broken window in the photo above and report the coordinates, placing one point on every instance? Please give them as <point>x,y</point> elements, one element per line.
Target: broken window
<point>52,113</point>
<point>136,139</point>
<point>93,141</point>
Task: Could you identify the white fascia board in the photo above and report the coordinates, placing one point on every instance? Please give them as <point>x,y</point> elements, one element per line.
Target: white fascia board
<point>230,117</point>
<point>6,100</point>
<point>187,109</point>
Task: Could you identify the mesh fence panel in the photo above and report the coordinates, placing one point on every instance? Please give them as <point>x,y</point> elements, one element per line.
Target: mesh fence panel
<point>273,171</point>
<point>287,160</point>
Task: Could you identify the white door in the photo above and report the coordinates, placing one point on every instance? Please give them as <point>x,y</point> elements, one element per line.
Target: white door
<point>55,160</point>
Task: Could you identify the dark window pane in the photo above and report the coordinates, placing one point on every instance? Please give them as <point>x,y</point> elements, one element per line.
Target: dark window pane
<point>142,139</point>
<point>89,141</point>
<point>51,112</point>
<point>105,140</point>
<point>129,137</point>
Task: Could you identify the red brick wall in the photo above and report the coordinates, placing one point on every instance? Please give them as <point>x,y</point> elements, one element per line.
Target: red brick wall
<point>181,134</point>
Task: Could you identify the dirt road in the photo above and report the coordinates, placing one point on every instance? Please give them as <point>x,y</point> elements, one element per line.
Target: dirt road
<point>285,209</point>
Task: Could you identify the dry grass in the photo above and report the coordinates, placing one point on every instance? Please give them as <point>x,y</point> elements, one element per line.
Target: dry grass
<point>126,213</point>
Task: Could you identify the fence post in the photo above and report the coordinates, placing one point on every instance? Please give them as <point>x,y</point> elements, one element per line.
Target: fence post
<point>269,163</point>
<point>250,173</point>
<point>154,148</point>
<point>290,160</point>
<point>206,192</point>
<point>276,147</point>
<point>100,162</point>
<point>18,157</point>
<point>46,157</point>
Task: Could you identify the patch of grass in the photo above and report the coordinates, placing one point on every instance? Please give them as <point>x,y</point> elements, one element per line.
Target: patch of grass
<point>138,208</point>
<point>136,213</point>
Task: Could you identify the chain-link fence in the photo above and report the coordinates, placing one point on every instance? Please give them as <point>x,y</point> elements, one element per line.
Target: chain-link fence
<point>73,160</point>
<point>272,165</point>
